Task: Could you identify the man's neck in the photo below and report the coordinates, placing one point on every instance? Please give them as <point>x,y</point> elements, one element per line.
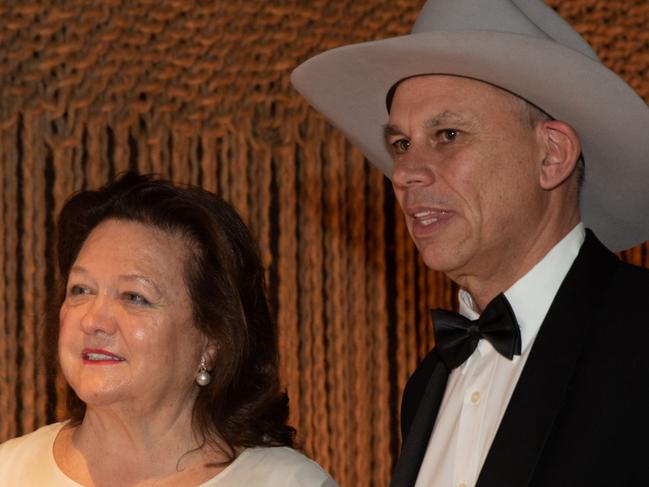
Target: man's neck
<point>484,287</point>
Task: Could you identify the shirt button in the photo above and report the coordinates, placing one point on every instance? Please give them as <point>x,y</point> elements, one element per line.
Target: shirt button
<point>475,397</point>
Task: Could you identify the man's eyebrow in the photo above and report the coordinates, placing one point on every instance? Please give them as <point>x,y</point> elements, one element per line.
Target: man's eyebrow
<point>390,130</point>
<point>444,117</point>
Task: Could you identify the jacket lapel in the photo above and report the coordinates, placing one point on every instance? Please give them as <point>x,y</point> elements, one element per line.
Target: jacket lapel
<point>538,395</point>
<point>416,442</point>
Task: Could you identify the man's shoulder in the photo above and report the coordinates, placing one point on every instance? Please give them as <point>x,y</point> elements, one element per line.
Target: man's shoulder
<point>630,284</point>
<point>633,272</point>
<point>597,268</point>
<point>617,319</point>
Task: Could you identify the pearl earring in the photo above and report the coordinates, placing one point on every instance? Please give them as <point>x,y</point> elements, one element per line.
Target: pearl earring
<point>203,377</point>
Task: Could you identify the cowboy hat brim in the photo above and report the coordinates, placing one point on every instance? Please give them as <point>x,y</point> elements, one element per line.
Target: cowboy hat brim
<point>348,85</point>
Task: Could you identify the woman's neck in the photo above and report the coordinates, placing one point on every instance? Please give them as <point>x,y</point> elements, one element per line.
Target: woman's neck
<point>113,446</point>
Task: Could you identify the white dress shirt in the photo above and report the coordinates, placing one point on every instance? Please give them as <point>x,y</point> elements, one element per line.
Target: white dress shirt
<point>479,390</point>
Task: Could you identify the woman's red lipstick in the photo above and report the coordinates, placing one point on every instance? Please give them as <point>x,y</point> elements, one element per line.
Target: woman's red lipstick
<point>97,356</point>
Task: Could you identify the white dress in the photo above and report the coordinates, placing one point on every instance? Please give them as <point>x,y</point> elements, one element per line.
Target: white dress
<point>28,461</point>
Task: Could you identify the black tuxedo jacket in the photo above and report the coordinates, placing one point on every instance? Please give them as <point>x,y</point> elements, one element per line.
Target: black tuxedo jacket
<point>579,414</point>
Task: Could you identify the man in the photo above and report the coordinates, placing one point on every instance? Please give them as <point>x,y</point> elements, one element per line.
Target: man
<point>495,109</point>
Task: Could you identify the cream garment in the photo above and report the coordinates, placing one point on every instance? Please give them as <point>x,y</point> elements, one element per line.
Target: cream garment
<point>28,461</point>
<point>477,392</point>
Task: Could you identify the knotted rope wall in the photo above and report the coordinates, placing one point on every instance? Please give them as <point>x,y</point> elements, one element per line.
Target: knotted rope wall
<point>198,91</point>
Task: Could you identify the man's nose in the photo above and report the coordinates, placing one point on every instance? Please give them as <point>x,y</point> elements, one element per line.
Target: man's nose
<point>413,169</point>
<point>99,316</point>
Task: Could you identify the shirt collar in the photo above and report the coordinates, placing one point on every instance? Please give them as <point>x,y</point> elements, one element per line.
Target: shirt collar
<point>531,296</point>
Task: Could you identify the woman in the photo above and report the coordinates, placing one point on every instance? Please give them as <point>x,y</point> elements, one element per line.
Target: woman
<point>168,346</point>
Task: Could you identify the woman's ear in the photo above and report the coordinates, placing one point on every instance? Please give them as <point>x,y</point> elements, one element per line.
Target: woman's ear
<point>562,151</point>
<point>209,355</point>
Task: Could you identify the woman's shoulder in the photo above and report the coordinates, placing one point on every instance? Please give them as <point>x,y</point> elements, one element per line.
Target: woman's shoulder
<point>27,453</point>
<point>273,466</point>
<point>41,438</point>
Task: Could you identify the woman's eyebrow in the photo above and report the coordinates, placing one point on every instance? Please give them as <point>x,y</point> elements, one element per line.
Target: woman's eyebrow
<point>77,269</point>
<point>140,278</point>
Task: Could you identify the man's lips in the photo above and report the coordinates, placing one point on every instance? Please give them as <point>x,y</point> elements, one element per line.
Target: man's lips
<point>99,356</point>
<point>427,220</point>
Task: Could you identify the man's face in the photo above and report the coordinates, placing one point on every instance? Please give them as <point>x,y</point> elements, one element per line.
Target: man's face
<point>466,174</point>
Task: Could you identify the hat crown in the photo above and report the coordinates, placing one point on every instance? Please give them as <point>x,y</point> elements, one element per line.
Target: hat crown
<point>525,17</point>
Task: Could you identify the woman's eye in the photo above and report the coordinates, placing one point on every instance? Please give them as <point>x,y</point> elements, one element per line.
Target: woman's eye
<point>448,135</point>
<point>134,298</point>
<point>400,146</point>
<point>77,290</point>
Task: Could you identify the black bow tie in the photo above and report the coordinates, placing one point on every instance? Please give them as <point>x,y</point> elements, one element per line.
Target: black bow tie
<point>456,337</point>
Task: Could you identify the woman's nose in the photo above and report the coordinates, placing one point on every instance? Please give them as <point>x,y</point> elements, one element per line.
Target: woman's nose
<point>99,316</point>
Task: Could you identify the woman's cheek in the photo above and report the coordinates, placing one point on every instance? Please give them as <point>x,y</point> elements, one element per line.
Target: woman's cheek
<point>64,313</point>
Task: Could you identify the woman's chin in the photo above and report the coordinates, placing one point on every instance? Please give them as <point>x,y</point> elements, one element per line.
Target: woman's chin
<point>101,396</point>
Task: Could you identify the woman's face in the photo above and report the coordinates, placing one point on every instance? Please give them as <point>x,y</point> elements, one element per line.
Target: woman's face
<point>127,336</point>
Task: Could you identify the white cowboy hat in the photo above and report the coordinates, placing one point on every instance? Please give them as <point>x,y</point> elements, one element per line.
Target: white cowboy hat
<point>524,47</point>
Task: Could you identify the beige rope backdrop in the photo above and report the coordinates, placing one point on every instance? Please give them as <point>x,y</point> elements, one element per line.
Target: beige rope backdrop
<point>199,91</point>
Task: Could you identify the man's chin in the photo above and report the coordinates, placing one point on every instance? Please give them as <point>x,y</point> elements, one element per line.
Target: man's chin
<point>441,257</point>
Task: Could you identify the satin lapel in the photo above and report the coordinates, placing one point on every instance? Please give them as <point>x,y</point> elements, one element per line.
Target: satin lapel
<point>414,447</point>
<point>543,383</point>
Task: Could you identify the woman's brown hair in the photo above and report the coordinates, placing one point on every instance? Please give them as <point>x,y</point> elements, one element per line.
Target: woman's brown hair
<point>243,406</point>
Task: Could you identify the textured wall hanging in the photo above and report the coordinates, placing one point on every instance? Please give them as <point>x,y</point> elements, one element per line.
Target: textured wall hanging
<point>198,91</point>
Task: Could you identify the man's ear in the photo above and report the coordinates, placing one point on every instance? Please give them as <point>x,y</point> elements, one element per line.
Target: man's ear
<point>562,151</point>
